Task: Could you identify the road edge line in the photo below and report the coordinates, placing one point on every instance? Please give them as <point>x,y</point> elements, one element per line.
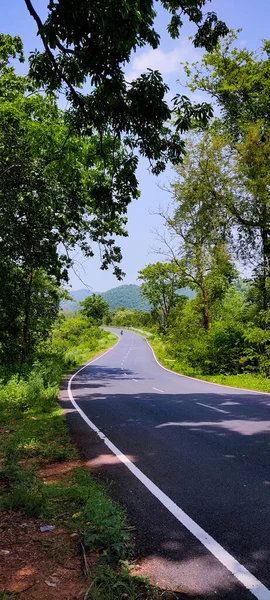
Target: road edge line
<point>231,387</point>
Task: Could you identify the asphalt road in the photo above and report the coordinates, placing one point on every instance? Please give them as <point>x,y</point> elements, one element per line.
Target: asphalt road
<point>206,447</point>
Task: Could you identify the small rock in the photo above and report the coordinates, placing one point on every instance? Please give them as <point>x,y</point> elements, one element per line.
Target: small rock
<point>49,583</point>
<point>74,536</point>
<point>5,552</point>
<point>54,579</point>
<point>47,528</point>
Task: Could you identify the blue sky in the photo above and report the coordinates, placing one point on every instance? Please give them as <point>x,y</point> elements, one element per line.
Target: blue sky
<point>138,248</point>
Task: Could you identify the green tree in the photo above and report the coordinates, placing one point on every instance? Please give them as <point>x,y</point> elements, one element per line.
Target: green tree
<point>198,230</point>
<point>161,281</point>
<point>53,196</point>
<point>29,305</point>
<point>94,307</point>
<point>239,81</point>
<point>81,41</point>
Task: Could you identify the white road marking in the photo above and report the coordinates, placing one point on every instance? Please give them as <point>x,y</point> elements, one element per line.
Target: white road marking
<point>223,385</point>
<point>158,390</point>
<point>213,408</point>
<point>249,581</point>
<point>134,379</point>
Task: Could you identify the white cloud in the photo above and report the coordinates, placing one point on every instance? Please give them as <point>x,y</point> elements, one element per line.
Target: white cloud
<point>165,62</point>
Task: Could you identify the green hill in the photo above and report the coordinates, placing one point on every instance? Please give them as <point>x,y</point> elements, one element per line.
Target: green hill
<point>128,296</point>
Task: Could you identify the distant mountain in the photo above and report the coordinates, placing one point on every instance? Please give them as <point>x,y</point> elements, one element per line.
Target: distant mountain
<point>128,296</point>
<point>77,297</point>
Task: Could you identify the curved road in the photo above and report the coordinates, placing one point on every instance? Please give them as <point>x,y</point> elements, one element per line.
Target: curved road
<point>203,521</point>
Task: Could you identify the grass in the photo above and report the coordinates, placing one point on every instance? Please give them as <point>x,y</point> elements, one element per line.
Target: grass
<point>241,380</point>
<point>100,522</point>
<point>112,585</point>
<point>34,432</point>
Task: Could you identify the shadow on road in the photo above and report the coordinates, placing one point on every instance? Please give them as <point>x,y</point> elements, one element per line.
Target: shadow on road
<point>139,423</point>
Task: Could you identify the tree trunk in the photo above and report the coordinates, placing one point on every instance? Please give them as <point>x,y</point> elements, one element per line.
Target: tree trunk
<point>266,265</point>
<point>26,322</point>
<point>206,313</point>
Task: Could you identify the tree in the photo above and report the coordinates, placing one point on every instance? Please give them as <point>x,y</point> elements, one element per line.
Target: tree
<point>161,281</point>
<point>239,81</point>
<point>50,200</point>
<point>199,229</point>
<point>94,307</point>
<point>29,305</point>
<point>82,42</point>
<point>53,189</point>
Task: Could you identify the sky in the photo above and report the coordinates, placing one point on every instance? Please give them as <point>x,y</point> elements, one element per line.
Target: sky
<point>139,248</point>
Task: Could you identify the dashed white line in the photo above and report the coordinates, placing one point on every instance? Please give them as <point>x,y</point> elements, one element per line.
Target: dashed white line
<point>213,408</point>
<point>158,390</point>
<point>249,581</point>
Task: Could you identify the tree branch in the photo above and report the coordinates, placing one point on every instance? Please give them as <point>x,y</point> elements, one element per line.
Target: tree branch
<point>39,23</point>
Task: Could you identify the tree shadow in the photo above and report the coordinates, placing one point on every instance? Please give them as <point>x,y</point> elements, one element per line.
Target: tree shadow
<point>214,465</point>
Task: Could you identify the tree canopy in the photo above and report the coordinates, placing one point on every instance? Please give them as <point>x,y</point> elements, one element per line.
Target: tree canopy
<point>95,308</point>
<point>160,283</point>
<point>88,43</point>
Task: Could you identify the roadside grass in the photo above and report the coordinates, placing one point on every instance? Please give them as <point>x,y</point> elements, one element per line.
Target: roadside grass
<point>33,438</point>
<point>100,522</point>
<point>112,585</point>
<point>33,429</point>
<point>166,358</point>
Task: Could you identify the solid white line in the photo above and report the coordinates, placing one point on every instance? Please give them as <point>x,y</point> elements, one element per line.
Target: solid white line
<point>157,390</point>
<point>213,408</point>
<point>223,385</point>
<point>248,580</point>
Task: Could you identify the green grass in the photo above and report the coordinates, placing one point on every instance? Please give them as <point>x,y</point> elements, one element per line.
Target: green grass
<point>76,356</point>
<point>34,431</point>
<point>115,585</point>
<point>100,522</point>
<point>241,380</point>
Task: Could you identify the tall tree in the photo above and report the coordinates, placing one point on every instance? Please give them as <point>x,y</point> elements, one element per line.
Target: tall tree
<point>161,281</point>
<point>239,81</point>
<point>53,196</point>
<point>198,229</point>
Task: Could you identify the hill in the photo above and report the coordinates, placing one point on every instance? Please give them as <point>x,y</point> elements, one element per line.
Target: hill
<point>128,296</point>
